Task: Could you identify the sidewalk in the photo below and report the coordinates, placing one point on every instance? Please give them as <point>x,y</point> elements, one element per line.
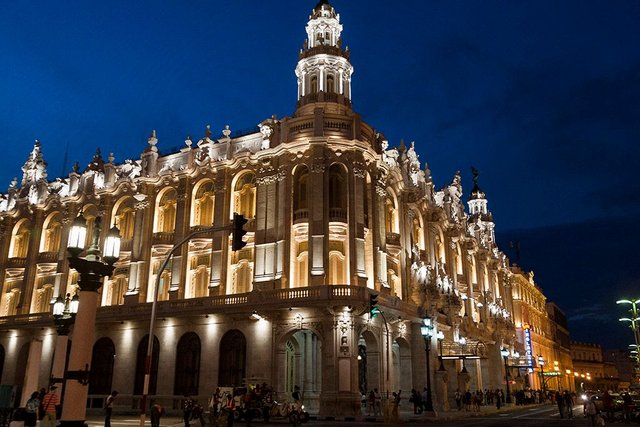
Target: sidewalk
<point>406,415</point>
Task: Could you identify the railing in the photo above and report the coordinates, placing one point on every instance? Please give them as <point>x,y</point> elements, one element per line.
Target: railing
<point>126,245</point>
<point>16,262</point>
<point>49,257</point>
<point>337,214</point>
<point>324,49</point>
<point>301,215</point>
<point>393,239</point>
<point>163,238</point>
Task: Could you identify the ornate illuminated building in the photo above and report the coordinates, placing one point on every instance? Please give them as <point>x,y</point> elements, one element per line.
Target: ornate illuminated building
<point>336,214</point>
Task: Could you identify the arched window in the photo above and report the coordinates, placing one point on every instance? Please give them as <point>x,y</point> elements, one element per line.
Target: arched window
<point>300,193</point>
<point>20,240</point>
<point>242,277</point>
<point>202,206</point>
<point>187,365</point>
<point>124,217</point>
<point>50,240</point>
<point>140,366</point>
<point>116,289</point>
<point>314,84</point>
<point>337,271</point>
<point>337,194</point>
<point>101,376</point>
<point>233,359</point>
<point>43,297</point>
<point>244,197</point>
<point>331,86</point>
<point>166,212</point>
<point>390,213</point>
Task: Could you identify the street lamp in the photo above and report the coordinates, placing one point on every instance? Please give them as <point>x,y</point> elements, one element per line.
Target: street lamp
<point>505,353</point>
<point>427,332</point>
<point>634,323</point>
<point>93,267</point>
<point>64,315</point>
<point>541,363</point>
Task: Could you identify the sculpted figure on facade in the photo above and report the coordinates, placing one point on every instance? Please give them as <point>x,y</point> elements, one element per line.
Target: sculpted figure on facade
<point>390,157</point>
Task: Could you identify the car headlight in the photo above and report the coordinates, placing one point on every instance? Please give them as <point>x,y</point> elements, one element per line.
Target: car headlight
<point>584,397</point>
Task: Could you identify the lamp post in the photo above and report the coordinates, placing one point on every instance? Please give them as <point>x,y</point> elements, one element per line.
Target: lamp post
<point>427,332</point>
<point>64,315</point>
<point>541,363</point>
<point>93,267</point>
<point>634,322</point>
<point>505,353</point>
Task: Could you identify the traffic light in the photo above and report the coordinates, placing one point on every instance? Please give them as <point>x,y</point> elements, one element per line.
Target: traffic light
<point>238,231</point>
<point>373,306</point>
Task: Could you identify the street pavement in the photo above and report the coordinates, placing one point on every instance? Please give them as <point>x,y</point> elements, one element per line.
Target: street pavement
<point>525,416</point>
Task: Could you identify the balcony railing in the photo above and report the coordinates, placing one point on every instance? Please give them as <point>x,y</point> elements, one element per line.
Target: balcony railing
<point>337,214</point>
<point>48,257</point>
<point>163,238</point>
<point>393,239</point>
<point>16,262</point>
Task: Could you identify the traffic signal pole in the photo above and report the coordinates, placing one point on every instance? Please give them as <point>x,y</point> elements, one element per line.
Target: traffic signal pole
<point>237,228</point>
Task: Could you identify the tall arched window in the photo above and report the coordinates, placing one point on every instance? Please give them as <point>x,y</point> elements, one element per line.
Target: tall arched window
<point>300,193</point>
<point>331,85</point>
<point>140,365</point>
<point>390,215</point>
<point>233,359</point>
<point>166,212</point>
<point>187,365</point>
<point>202,206</point>
<point>337,193</point>
<point>20,240</point>
<point>124,217</point>
<point>244,195</point>
<point>50,240</point>
<point>314,84</point>
<point>101,376</point>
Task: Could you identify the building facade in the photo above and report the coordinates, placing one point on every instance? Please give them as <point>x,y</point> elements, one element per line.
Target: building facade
<point>335,215</point>
<point>590,370</point>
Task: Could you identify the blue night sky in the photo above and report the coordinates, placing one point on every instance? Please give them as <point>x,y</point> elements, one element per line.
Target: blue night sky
<point>542,97</point>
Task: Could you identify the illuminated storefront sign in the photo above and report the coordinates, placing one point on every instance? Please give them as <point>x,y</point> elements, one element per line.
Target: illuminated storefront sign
<point>527,347</point>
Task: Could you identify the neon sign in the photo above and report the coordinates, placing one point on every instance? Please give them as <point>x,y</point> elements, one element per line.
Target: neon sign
<point>527,347</point>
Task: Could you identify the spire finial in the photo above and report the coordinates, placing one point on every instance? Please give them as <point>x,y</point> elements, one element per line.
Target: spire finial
<point>475,173</point>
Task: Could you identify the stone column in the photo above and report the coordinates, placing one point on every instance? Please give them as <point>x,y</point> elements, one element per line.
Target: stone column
<point>33,371</point>
<point>29,279</point>
<point>441,391</point>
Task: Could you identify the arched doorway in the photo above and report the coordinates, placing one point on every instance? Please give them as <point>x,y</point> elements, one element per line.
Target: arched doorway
<point>370,372</point>
<point>2,353</point>
<point>187,373</point>
<point>402,372</point>
<point>233,359</point>
<point>140,365</point>
<point>101,376</point>
<point>299,363</point>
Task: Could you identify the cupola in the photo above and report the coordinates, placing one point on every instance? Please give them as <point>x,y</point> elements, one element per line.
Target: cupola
<point>324,71</point>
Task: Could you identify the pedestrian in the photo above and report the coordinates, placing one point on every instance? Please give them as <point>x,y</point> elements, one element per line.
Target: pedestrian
<point>590,410</point>
<point>371,403</point>
<point>627,404</point>
<point>607,405</point>
<point>214,403</point>
<point>498,396</point>
<point>50,401</point>
<point>187,409</point>
<point>41,394</point>
<point>157,411</point>
<point>31,410</point>
<point>108,408</point>
<point>415,399</point>
<point>467,400</point>
<point>560,403</point>
<point>568,404</point>
<point>394,409</point>
<point>458,397</point>
<point>377,409</point>
<point>425,398</point>
<point>229,407</point>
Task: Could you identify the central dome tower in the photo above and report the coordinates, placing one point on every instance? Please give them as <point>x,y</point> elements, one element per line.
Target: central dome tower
<point>323,70</point>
